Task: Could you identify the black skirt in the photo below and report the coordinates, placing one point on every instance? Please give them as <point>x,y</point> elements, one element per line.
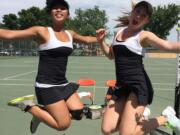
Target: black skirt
<point>141,86</point>
<point>46,96</point>
<point>130,74</point>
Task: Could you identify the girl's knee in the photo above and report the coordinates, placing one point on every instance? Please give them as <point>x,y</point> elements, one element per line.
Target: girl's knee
<point>107,130</point>
<point>63,125</point>
<point>138,130</point>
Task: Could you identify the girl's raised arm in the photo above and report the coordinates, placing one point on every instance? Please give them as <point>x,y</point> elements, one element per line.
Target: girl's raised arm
<point>100,34</point>
<point>148,38</point>
<point>83,39</point>
<point>30,33</point>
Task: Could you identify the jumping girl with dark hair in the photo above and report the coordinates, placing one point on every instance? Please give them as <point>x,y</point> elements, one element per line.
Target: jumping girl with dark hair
<point>58,98</point>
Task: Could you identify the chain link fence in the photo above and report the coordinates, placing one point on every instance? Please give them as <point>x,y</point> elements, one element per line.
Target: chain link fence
<point>30,48</point>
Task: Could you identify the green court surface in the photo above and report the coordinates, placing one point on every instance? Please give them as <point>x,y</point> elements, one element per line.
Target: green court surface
<point>17,76</point>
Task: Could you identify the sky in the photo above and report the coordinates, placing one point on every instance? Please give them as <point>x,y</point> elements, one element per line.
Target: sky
<point>113,8</point>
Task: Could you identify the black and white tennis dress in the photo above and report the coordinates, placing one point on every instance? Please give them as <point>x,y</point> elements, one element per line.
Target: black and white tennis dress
<point>130,73</point>
<point>51,84</point>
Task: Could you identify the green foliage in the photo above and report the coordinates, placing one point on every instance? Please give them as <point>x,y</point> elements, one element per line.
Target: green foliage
<point>178,28</point>
<point>33,16</point>
<point>26,18</point>
<point>164,19</point>
<point>86,22</point>
<point>11,21</point>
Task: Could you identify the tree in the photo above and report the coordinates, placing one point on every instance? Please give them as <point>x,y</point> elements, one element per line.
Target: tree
<point>86,22</point>
<point>10,21</point>
<point>33,16</point>
<point>164,19</point>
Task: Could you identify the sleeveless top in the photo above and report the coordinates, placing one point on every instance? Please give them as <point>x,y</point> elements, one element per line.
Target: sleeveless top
<point>130,72</point>
<point>128,59</point>
<point>53,58</point>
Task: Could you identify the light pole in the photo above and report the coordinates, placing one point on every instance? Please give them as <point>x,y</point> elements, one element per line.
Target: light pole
<point>177,88</point>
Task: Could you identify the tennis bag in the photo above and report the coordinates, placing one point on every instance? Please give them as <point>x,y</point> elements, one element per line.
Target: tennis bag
<point>93,112</point>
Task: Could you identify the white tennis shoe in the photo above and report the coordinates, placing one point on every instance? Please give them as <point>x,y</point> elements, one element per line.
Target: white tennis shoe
<point>22,102</point>
<point>173,121</point>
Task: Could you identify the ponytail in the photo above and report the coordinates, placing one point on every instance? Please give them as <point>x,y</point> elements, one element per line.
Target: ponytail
<point>123,21</point>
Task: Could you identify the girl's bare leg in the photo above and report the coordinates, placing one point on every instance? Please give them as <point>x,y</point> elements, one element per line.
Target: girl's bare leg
<point>132,118</point>
<point>111,117</point>
<point>53,116</point>
<point>57,115</point>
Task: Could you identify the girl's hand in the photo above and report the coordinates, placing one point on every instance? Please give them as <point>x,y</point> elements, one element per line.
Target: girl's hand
<point>100,34</point>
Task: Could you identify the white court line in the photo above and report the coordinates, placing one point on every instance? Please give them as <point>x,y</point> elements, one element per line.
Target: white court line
<point>18,75</point>
<point>87,67</point>
<point>112,73</point>
<point>91,62</point>
<point>16,84</point>
<point>15,66</point>
<point>23,74</point>
<point>100,87</point>
<point>161,75</point>
<point>97,87</point>
<point>69,72</point>
<point>17,80</point>
<point>103,73</point>
<point>164,84</point>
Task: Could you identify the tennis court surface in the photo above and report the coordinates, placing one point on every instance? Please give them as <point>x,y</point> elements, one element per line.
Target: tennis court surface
<point>17,75</point>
